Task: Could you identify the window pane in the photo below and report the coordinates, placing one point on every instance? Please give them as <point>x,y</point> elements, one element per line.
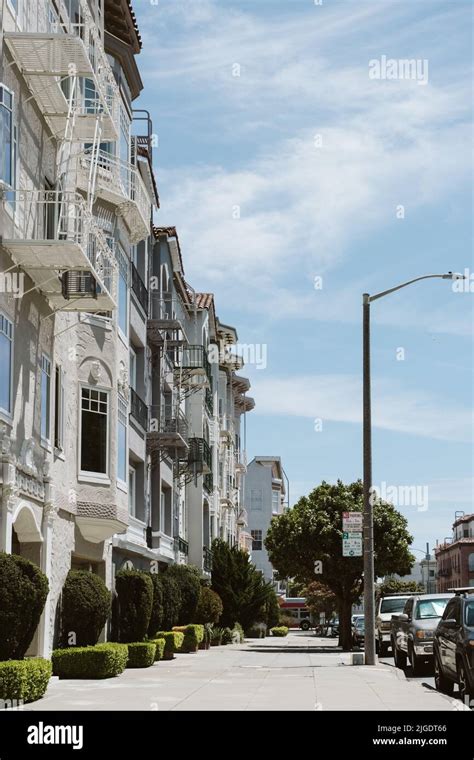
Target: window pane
<point>122,452</point>
<point>45,398</point>
<point>122,305</point>
<point>5,143</point>
<point>93,438</point>
<point>5,372</point>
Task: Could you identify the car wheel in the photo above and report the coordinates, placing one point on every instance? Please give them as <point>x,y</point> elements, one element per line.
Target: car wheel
<point>304,625</point>
<point>399,657</point>
<point>415,662</point>
<point>465,692</point>
<point>443,684</point>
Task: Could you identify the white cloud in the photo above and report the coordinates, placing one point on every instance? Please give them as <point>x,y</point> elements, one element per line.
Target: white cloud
<point>338,398</point>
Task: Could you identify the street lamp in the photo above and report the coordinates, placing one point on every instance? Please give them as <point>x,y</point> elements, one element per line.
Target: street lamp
<point>369,580</point>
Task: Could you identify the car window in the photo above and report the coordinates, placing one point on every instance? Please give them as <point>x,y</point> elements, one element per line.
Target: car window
<point>407,610</point>
<point>430,608</point>
<point>470,614</point>
<point>450,610</point>
<point>392,605</point>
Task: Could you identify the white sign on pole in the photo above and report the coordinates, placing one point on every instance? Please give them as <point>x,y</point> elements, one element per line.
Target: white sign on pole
<point>352,521</point>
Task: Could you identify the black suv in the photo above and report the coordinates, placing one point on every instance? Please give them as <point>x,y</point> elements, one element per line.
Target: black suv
<point>454,645</point>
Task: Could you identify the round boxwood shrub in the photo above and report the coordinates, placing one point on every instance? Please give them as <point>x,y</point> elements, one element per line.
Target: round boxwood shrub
<point>279,630</point>
<point>100,661</point>
<point>189,583</point>
<point>156,617</point>
<point>23,592</point>
<point>209,608</point>
<point>85,607</point>
<point>135,600</point>
<point>24,680</point>
<point>171,601</point>
<point>141,654</point>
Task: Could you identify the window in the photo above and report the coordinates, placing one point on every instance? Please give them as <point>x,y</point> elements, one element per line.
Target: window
<point>122,290</point>
<point>131,491</point>
<point>275,501</point>
<point>6,135</point>
<point>6,363</point>
<point>59,408</point>
<point>471,562</point>
<point>133,369</point>
<point>94,430</point>
<point>122,440</point>
<point>256,498</point>
<point>45,398</point>
<point>257,541</point>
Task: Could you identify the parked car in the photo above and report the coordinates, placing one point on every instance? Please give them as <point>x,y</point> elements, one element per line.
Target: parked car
<point>413,630</point>
<point>358,632</point>
<point>454,645</point>
<point>356,617</point>
<point>386,607</point>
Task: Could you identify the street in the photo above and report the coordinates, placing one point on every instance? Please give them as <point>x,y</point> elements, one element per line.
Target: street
<point>299,672</point>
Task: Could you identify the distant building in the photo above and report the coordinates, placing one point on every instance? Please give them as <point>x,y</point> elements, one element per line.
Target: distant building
<point>455,556</point>
<point>264,498</point>
<point>423,572</point>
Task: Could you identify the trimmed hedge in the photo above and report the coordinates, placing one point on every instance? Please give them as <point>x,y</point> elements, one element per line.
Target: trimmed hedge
<point>24,680</point>
<point>209,608</point>
<point>279,630</point>
<point>141,654</point>
<point>188,580</point>
<point>135,601</point>
<point>85,607</point>
<point>100,661</point>
<point>255,632</point>
<point>173,642</point>
<point>193,636</point>
<point>160,649</point>
<point>171,601</point>
<point>157,610</point>
<point>23,592</point>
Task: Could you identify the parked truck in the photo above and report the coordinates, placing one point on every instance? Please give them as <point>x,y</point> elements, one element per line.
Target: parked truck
<point>412,631</point>
<point>387,605</point>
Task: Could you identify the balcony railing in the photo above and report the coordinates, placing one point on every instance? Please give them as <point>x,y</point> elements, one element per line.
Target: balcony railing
<point>206,559</point>
<point>208,482</point>
<point>200,455</point>
<point>195,358</point>
<point>138,409</point>
<point>209,400</point>
<point>55,239</point>
<point>120,183</point>
<point>138,287</point>
<point>51,51</point>
<point>183,546</point>
<point>168,430</point>
<point>167,319</point>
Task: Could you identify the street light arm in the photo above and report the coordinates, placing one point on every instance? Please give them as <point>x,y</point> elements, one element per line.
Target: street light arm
<point>447,276</point>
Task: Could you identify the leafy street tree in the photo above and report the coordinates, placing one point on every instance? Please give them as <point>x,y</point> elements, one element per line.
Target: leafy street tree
<point>395,586</point>
<point>241,587</point>
<point>320,598</point>
<point>312,531</point>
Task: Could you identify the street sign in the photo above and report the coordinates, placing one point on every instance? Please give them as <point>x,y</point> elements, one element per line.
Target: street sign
<point>352,521</point>
<point>352,545</point>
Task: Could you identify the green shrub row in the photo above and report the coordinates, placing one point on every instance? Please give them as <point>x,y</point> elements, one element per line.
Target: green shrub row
<point>193,636</point>
<point>141,654</point>
<point>279,630</point>
<point>99,661</point>
<point>173,641</point>
<point>160,649</point>
<point>24,680</point>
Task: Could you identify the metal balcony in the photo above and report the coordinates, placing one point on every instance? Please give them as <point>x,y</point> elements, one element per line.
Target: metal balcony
<point>194,360</point>
<point>200,456</point>
<point>166,321</point>
<point>206,559</point>
<point>182,545</point>
<point>138,287</point>
<point>138,409</point>
<point>168,430</point>
<point>50,53</point>
<point>57,242</point>
<point>119,183</point>
<point>208,482</point>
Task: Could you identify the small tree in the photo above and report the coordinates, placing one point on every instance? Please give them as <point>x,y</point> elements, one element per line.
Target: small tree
<point>171,601</point>
<point>209,607</point>
<point>85,607</point>
<point>23,592</point>
<point>188,580</point>
<point>135,600</point>
<point>320,599</point>
<point>157,611</point>
<point>272,610</point>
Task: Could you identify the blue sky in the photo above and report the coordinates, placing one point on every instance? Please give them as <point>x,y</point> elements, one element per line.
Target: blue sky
<point>265,111</point>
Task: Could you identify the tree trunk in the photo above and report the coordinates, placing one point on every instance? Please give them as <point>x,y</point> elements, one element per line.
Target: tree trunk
<point>345,626</point>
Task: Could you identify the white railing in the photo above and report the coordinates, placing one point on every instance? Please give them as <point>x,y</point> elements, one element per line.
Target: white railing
<point>118,177</point>
<point>59,217</point>
<point>75,19</point>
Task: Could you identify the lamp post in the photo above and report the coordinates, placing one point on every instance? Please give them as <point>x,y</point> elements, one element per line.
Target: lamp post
<point>369,579</point>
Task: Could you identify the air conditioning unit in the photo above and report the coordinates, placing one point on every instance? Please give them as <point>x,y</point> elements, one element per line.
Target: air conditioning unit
<point>75,284</point>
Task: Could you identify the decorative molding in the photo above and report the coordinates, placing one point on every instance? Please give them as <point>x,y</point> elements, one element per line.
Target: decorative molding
<point>95,372</point>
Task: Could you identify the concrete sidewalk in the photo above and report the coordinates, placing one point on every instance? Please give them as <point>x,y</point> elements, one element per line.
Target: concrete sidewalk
<point>300,672</point>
